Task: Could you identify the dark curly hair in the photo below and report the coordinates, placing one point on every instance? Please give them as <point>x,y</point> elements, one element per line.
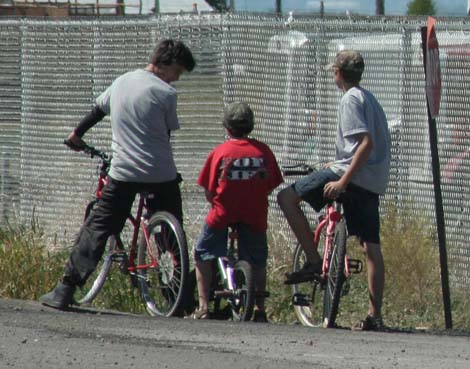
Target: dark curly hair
<point>169,51</point>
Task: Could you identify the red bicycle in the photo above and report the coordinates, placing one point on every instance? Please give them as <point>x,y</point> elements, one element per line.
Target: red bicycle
<point>155,255</point>
<point>316,302</point>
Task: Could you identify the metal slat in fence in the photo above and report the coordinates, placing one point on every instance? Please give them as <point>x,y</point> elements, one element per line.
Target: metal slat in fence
<point>52,71</point>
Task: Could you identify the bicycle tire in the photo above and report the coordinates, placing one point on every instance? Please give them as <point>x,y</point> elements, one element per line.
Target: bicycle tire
<point>162,288</point>
<point>95,282</point>
<point>311,311</point>
<point>336,276</point>
<point>243,301</point>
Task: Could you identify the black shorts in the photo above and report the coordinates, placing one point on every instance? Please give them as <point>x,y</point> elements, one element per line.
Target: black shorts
<point>361,207</point>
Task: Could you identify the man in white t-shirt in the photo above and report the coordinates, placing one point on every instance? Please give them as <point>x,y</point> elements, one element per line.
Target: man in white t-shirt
<point>142,106</point>
<point>361,166</point>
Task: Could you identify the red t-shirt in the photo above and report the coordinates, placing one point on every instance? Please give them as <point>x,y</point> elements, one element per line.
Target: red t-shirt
<point>240,173</point>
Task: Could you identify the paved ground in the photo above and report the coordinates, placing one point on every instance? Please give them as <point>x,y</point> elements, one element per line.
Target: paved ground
<point>36,337</point>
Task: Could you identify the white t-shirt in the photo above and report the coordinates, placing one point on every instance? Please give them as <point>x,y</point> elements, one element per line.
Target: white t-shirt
<point>143,111</point>
<point>359,112</point>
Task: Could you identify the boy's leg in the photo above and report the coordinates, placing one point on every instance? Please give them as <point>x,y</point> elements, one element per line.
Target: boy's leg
<point>289,203</point>
<point>106,218</point>
<point>204,279</point>
<point>253,248</point>
<point>212,243</point>
<point>363,221</point>
<point>375,276</point>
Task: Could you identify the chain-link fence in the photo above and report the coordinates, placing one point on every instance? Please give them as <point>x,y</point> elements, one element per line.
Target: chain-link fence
<point>51,71</point>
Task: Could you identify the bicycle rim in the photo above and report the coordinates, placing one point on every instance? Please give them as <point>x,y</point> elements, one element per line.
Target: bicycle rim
<point>162,286</point>
<point>109,267</point>
<point>336,276</point>
<point>243,301</point>
<point>87,293</point>
<point>309,296</point>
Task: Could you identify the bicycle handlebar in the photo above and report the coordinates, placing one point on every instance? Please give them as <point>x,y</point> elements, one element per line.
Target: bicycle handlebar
<point>297,169</point>
<point>89,150</point>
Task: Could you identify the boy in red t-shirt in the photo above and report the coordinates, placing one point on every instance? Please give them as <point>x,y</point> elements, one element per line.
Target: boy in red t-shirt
<point>238,177</point>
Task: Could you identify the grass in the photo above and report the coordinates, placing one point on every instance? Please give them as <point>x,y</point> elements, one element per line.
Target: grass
<point>412,296</point>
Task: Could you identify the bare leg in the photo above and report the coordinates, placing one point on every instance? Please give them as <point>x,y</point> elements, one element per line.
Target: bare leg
<point>375,276</point>
<point>204,279</point>
<point>289,202</point>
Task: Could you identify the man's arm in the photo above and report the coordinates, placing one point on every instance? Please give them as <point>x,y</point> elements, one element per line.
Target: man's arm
<point>333,189</point>
<point>88,121</point>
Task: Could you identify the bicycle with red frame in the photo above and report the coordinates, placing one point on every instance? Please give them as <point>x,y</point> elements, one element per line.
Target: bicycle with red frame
<point>316,302</point>
<point>155,255</point>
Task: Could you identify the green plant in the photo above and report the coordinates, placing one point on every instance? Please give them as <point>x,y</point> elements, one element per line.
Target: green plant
<point>27,268</point>
<point>412,293</point>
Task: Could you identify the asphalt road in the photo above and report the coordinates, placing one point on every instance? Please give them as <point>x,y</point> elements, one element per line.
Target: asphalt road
<point>36,337</point>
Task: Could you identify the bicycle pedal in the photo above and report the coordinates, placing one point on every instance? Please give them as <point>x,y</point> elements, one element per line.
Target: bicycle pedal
<point>355,265</point>
<point>299,299</point>
<point>223,294</point>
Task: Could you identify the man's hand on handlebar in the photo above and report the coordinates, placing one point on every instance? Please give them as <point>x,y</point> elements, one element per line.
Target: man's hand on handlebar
<point>75,142</point>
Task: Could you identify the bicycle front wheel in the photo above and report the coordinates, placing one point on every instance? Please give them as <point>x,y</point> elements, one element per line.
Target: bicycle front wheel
<point>309,298</point>
<point>243,301</point>
<point>163,266</point>
<point>111,263</point>
<point>336,276</point>
<point>87,293</point>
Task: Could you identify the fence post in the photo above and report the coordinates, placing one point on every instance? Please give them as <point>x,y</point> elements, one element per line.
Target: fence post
<point>441,234</point>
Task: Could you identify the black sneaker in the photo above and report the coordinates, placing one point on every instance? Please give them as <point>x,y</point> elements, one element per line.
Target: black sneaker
<point>260,317</point>
<point>307,273</point>
<point>372,324</point>
<point>60,297</point>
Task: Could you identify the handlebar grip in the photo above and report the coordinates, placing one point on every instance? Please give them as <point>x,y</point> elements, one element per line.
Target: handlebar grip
<point>294,172</point>
<point>297,169</point>
<point>72,145</point>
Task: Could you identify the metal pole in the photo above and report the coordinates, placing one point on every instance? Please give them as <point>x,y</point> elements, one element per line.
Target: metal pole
<point>279,7</point>
<point>441,233</point>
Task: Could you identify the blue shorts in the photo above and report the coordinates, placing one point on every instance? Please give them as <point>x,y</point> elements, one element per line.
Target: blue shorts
<point>361,207</point>
<point>252,246</point>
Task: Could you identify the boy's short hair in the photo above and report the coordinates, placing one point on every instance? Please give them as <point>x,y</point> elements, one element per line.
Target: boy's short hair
<point>238,119</point>
<point>351,64</point>
<point>169,51</point>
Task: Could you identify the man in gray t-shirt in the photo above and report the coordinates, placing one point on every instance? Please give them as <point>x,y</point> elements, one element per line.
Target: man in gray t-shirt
<point>142,106</point>
<point>361,166</point>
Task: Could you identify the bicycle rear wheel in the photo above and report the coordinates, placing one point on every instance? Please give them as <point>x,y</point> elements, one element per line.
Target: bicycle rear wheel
<point>162,286</point>
<point>309,298</point>
<point>243,301</point>
<point>336,276</point>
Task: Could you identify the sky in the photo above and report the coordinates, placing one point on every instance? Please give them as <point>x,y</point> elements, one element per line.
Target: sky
<point>366,7</point>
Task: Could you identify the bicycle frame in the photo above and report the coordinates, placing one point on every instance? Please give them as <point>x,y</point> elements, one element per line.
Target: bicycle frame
<point>137,221</point>
<point>225,263</point>
<point>333,215</point>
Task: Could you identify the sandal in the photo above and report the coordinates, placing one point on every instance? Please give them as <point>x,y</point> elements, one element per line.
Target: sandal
<point>199,314</point>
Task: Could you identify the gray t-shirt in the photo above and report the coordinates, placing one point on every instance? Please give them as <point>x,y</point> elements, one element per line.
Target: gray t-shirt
<point>359,112</point>
<point>143,111</point>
